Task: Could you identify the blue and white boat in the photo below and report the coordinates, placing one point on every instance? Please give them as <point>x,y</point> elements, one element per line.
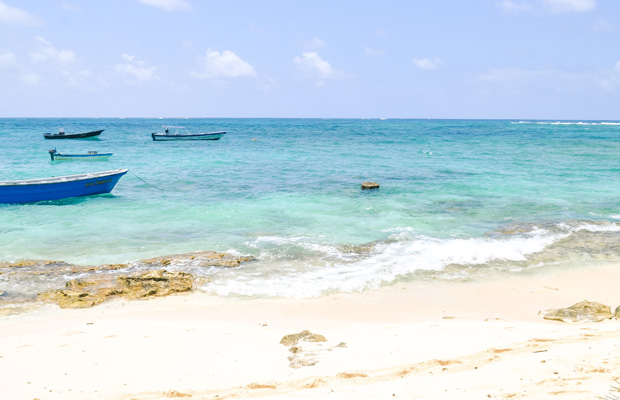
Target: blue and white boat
<point>60,187</point>
<point>180,134</point>
<point>90,156</point>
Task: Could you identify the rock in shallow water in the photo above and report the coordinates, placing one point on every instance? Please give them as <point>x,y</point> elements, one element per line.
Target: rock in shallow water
<point>370,185</point>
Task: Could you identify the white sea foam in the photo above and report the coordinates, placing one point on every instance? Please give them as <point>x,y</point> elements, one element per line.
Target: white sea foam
<point>402,254</point>
<point>564,123</point>
<point>590,226</point>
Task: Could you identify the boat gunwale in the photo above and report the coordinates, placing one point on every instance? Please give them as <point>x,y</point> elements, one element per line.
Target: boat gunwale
<point>63,179</point>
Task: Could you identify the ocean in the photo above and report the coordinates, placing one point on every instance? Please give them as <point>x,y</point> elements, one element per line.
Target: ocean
<point>458,200</point>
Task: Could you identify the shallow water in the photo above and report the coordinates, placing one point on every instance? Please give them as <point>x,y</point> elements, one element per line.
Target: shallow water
<point>457,199</point>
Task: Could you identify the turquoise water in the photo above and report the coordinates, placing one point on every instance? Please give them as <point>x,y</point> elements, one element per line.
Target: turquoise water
<point>458,198</point>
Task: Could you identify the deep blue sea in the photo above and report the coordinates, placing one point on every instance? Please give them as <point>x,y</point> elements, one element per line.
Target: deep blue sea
<point>458,199</point>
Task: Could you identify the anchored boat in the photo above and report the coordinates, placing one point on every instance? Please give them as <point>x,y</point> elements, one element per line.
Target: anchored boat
<point>181,134</point>
<point>90,156</point>
<point>60,187</point>
<point>62,135</point>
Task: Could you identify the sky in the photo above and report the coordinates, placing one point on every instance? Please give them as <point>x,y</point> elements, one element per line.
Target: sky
<point>491,59</point>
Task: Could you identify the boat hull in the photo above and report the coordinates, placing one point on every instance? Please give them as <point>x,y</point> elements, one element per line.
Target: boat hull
<point>72,135</point>
<point>62,187</point>
<point>189,136</point>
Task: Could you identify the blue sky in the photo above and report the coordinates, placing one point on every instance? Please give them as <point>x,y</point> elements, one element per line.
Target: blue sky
<point>514,59</point>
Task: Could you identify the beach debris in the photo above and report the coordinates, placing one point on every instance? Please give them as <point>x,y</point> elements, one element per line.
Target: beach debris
<point>612,392</point>
<point>584,311</point>
<point>149,284</point>
<point>370,185</point>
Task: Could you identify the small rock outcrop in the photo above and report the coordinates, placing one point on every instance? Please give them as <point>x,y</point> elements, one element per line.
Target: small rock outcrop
<point>585,311</point>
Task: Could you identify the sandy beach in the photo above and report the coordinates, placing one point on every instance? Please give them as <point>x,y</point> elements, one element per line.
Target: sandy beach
<point>438,340</point>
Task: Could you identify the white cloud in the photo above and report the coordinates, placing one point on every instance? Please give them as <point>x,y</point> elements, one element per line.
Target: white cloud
<point>7,59</point>
<point>426,64</point>
<point>31,79</point>
<point>168,5</point>
<point>373,52</point>
<point>47,52</point>
<point>267,84</point>
<point>552,6</point>
<point>610,80</point>
<point>311,64</point>
<point>549,79</point>
<point>512,7</point>
<point>601,25</point>
<point>382,33</point>
<point>315,44</point>
<point>559,6</point>
<point>224,65</point>
<point>70,6</point>
<point>135,69</point>
<point>16,16</point>
<point>512,75</point>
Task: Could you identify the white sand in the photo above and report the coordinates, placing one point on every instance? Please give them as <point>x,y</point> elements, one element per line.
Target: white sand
<point>420,341</point>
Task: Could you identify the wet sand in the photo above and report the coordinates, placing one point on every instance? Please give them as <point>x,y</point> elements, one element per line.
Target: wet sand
<point>439,340</point>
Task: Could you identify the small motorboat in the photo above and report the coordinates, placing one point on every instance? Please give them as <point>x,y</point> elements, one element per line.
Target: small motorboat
<point>62,135</point>
<point>180,134</point>
<point>60,187</point>
<point>90,156</point>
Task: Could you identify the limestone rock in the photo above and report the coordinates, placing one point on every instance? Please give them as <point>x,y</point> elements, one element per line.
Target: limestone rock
<point>155,283</point>
<point>70,298</point>
<point>585,311</point>
<point>199,259</point>
<point>76,284</point>
<point>617,313</point>
<point>149,284</point>
<point>294,338</point>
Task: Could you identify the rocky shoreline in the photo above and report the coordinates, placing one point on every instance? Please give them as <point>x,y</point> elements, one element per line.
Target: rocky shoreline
<point>79,286</point>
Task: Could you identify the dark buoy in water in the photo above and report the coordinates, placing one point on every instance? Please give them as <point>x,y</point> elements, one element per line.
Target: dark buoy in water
<point>370,185</point>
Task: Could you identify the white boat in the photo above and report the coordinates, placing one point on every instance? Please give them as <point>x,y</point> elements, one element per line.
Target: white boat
<point>90,156</point>
<point>179,133</point>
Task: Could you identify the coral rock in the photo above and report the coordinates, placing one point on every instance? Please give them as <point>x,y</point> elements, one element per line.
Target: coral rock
<point>585,311</point>
<point>294,338</point>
